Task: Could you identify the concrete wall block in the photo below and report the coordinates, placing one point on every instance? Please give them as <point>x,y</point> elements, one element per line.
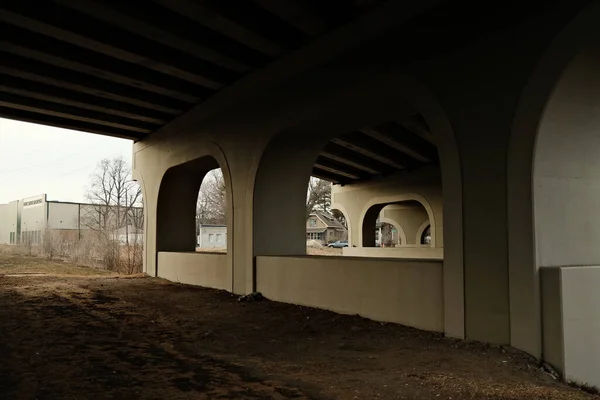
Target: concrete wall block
<point>400,291</point>
<point>571,321</point>
<point>202,269</point>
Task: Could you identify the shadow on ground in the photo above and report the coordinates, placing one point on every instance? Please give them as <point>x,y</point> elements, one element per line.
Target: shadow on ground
<point>107,337</point>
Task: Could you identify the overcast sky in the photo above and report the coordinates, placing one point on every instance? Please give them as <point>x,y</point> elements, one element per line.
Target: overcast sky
<point>37,159</point>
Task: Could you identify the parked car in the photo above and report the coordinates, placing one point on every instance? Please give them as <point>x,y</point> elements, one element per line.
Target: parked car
<point>338,244</point>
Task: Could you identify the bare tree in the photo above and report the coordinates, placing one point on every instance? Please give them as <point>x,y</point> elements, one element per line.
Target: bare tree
<point>211,207</point>
<point>116,202</point>
<point>387,236</point>
<point>116,198</point>
<point>338,215</point>
<point>318,197</point>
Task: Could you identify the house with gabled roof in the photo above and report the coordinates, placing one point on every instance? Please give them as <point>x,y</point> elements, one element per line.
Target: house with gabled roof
<point>325,228</point>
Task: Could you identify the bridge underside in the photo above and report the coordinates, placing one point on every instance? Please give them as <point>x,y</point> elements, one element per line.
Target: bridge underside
<point>398,103</point>
<point>125,69</point>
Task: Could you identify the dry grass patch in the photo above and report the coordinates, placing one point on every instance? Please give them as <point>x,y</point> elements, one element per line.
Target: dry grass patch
<point>20,264</point>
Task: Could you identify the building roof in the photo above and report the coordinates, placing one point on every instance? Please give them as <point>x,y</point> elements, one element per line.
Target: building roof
<point>329,220</point>
<point>315,230</point>
<point>93,204</point>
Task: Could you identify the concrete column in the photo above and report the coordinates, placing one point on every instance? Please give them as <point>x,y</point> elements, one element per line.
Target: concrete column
<point>580,34</point>
<point>280,194</point>
<point>482,129</point>
<point>566,194</point>
<point>485,222</point>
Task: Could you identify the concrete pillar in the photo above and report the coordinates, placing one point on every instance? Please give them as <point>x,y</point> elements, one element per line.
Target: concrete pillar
<point>566,195</point>
<point>581,33</point>
<point>482,129</point>
<point>485,224</point>
<point>280,194</point>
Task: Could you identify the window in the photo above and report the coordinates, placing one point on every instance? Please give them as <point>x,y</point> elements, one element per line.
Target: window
<point>218,238</point>
<point>211,237</point>
<point>312,222</point>
<point>315,236</point>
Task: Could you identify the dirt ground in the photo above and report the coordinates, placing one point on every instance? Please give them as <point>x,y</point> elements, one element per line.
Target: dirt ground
<point>78,333</point>
<point>311,251</point>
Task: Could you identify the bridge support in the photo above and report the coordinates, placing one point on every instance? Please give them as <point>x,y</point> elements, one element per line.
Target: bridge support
<point>481,103</point>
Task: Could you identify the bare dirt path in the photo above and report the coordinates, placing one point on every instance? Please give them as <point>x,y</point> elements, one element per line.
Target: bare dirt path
<point>77,333</point>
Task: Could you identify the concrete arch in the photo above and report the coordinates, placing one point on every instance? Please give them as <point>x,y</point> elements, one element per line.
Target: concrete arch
<point>422,229</point>
<point>378,203</point>
<point>525,307</point>
<point>342,209</point>
<point>373,100</point>
<point>139,178</point>
<point>176,202</point>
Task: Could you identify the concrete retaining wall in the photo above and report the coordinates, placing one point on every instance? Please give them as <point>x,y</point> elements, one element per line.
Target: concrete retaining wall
<point>202,269</point>
<point>407,292</point>
<point>415,251</point>
<point>571,321</point>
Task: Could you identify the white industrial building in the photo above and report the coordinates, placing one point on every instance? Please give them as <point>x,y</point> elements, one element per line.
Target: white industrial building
<point>25,221</point>
<point>212,236</point>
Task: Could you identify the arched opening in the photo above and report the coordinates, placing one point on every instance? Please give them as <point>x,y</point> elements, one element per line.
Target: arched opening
<point>405,217</point>
<point>177,201</point>
<point>178,225</point>
<point>352,161</point>
<point>326,228</point>
<point>211,213</point>
<point>367,151</point>
<point>389,233</point>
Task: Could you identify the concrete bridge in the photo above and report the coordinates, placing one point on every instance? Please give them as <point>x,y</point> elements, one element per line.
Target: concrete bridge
<point>487,117</point>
